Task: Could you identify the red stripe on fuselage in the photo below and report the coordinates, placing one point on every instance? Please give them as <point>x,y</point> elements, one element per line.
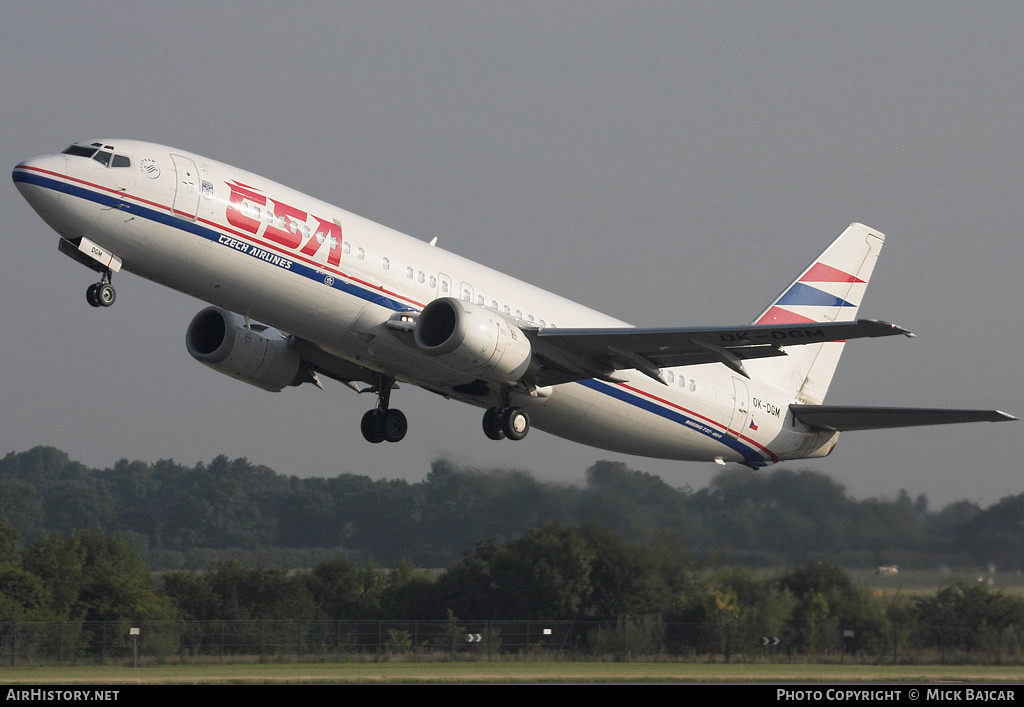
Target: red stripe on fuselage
<point>269,245</point>
<point>697,415</point>
<point>216,226</point>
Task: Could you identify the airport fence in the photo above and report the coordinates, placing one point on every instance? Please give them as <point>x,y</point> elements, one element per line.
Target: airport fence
<point>112,642</point>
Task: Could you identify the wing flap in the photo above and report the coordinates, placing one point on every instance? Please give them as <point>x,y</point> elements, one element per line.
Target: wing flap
<point>332,365</point>
<point>841,418</point>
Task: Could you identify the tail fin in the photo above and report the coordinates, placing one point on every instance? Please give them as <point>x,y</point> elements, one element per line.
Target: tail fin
<point>829,290</point>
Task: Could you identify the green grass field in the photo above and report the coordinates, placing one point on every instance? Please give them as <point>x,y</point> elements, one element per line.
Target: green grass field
<point>504,672</point>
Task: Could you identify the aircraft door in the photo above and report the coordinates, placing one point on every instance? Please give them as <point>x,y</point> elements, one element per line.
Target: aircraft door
<point>186,188</point>
<point>741,408</point>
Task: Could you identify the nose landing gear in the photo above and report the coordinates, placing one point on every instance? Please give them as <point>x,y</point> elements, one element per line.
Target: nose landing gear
<point>97,258</point>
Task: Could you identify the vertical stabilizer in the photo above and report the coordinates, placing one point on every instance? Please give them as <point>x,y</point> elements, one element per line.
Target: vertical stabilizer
<point>829,290</point>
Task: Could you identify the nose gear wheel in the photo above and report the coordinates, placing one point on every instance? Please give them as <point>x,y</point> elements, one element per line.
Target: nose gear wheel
<point>101,294</point>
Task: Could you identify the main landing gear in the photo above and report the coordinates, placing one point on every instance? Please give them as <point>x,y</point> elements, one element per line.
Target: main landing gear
<point>385,425</point>
<point>102,293</point>
<point>505,420</point>
<point>381,424</point>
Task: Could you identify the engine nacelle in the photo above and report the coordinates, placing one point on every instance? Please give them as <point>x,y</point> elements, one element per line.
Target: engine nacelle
<point>261,357</point>
<point>472,339</point>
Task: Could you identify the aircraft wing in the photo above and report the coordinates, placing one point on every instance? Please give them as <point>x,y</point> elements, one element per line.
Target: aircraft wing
<point>843,418</point>
<point>576,354</point>
<point>332,365</point>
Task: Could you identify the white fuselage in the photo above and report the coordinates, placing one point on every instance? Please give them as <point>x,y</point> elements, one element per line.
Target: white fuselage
<point>242,242</point>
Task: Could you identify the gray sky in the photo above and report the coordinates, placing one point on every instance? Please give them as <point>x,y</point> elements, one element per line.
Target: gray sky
<point>671,164</point>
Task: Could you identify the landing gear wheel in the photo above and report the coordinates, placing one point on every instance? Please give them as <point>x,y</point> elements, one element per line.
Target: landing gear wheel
<point>395,425</point>
<point>90,295</point>
<point>105,294</point>
<point>372,426</point>
<point>492,425</point>
<point>101,294</point>
<point>382,424</point>
<point>515,423</point>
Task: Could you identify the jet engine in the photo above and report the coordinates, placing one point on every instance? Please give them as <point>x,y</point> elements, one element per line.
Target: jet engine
<point>258,355</point>
<point>473,340</point>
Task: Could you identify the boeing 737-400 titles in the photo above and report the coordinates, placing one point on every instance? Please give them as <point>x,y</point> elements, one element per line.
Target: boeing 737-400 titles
<point>302,289</point>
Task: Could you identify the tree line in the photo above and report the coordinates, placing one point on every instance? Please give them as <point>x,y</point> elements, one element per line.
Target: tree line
<point>653,597</point>
<point>179,516</point>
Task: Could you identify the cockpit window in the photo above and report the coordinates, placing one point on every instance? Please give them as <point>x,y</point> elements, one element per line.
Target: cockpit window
<point>100,155</point>
<point>80,151</point>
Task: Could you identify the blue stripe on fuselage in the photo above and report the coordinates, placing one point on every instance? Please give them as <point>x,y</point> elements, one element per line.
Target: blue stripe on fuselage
<point>340,282</point>
<point>751,457</point>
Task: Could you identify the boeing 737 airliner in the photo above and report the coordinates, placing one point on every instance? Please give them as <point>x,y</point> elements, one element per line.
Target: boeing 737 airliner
<point>301,289</point>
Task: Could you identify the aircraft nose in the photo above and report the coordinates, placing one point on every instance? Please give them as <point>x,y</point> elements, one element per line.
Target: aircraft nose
<point>41,180</point>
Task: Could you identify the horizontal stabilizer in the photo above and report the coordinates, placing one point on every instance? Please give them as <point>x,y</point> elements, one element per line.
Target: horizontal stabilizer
<point>843,418</point>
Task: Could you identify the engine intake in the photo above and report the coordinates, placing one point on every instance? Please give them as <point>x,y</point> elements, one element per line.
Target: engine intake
<point>260,356</point>
<point>473,340</point>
